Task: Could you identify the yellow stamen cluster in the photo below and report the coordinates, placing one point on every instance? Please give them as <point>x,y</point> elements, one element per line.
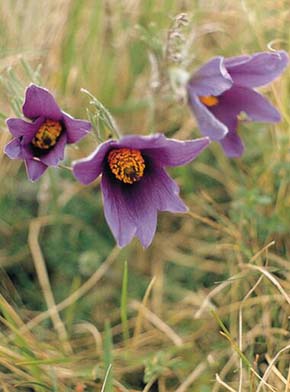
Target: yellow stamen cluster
<point>47,135</point>
<point>209,100</point>
<point>126,164</point>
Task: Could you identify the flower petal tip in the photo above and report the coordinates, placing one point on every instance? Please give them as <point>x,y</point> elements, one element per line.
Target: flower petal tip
<point>284,56</point>
<point>76,129</point>
<point>81,172</point>
<point>40,102</point>
<point>13,149</point>
<point>34,169</point>
<point>276,117</point>
<point>210,79</point>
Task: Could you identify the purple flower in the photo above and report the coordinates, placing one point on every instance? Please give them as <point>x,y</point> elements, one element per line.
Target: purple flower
<point>41,142</point>
<point>222,92</point>
<point>134,182</point>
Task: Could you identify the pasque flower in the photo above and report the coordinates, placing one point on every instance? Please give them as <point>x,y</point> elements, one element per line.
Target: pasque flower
<point>221,93</point>
<point>134,182</point>
<point>41,141</point>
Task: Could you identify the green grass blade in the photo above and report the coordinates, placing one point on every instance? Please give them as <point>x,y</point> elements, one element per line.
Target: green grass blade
<point>108,358</point>
<point>108,372</point>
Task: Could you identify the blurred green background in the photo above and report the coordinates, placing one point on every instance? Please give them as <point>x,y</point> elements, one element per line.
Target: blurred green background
<point>223,267</point>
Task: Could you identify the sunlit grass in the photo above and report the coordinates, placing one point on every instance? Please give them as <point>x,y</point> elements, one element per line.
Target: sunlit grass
<point>206,307</point>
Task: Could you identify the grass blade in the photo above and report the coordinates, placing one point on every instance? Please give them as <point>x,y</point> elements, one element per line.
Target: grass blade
<point>108,358</point>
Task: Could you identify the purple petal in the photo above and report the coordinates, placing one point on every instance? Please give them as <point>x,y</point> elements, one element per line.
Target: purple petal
<point>75,129</point>
<point>138,142</point>
<point>211,79</point>
<point>155,192</point>
<point>208,123</point>
<point>230,62</point>
<point>116,212</point>
<point>132,209</point>
<point>259,69</point>
<point>242,99</point>
<point>34,169</point>
<point>147,230</point>
<point>159,142</point>
<point>143,207</point>
<point>165,192</point>
<point>176,152</point>
<point>232,145</point>
<point>19,127</point>
<point>40,102</point>
<point>88,169</point>
<point>14,149</point>
<point>56,154</point>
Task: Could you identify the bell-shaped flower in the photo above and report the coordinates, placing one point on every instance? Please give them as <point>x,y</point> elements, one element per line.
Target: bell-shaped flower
<point>135,184</point>
<point>221,93</point>
<point>41,141</point>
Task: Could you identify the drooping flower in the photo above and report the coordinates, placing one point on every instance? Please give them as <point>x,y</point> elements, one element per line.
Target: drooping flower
<point>41,141</point>
<point>134,182</point>
<point>221,93</point>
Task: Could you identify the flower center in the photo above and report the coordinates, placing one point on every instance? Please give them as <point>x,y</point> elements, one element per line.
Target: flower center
<point>47,135</point>
<point>126,164</point>
<point>209,100</point>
